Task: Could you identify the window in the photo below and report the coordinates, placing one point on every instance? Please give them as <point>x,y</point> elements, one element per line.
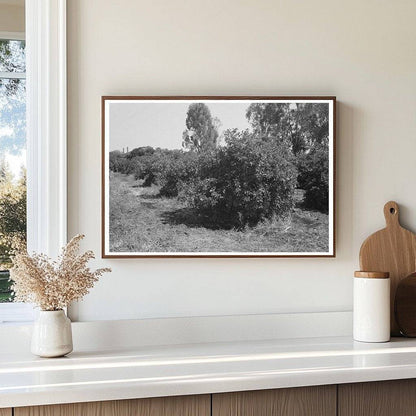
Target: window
<point>12,153</point>
<point>45,138</point>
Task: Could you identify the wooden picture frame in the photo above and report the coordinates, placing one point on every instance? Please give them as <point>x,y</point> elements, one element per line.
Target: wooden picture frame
<point>298,135</point>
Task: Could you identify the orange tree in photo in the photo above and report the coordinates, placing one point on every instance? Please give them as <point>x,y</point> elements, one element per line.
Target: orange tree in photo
<point>249,177</point>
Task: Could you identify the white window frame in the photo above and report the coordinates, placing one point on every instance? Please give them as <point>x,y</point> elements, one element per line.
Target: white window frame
<point>46,128</point>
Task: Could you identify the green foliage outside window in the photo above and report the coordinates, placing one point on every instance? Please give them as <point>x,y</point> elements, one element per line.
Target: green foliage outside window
<point>12,144</point>
<point>12,223</point>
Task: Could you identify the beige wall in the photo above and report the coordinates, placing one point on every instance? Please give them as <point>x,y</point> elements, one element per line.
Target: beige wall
<point>361,51</point>
<point>12,18</point>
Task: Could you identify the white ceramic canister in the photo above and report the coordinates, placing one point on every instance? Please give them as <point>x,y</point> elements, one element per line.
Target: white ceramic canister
<point>371,307</point>
<point>52,334</point>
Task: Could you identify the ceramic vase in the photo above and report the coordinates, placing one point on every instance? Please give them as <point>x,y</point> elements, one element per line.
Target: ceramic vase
<point>52,334</point>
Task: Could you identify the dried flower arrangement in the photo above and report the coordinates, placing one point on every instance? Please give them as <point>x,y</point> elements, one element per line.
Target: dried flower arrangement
<point>53,285</point>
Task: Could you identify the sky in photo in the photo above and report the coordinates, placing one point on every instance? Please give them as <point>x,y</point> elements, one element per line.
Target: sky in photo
<point>161,124</point>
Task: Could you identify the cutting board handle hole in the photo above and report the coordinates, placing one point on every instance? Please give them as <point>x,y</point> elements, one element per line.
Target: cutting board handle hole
<point>391,213</point>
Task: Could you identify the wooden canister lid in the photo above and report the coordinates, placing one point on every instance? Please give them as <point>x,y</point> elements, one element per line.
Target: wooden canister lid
<point>372,275</point>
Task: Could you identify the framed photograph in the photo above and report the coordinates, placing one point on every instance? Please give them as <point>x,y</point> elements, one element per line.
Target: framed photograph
<point>218,176</point>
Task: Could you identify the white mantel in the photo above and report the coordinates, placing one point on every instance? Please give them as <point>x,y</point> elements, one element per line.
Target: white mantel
<point>151,371</point>
<point>179,356</point>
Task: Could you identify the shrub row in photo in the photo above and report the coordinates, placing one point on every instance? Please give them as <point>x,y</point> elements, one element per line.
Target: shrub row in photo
<point>241,183</point>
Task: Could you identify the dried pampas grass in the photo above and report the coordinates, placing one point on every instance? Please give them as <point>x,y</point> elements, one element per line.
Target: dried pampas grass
<point>53,285</point>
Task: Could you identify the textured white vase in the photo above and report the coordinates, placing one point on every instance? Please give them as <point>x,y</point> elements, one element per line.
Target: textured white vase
<point>52,334</point>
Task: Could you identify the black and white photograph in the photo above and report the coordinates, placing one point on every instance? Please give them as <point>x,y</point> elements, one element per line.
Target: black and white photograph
<point>218,176</point>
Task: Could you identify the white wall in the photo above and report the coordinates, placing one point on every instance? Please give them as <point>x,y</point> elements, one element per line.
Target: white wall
<point>361,51</point>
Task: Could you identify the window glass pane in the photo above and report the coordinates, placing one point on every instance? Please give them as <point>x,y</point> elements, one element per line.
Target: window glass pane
<point>12,56</point>
<point>12,119</point>
<point>12,169</point>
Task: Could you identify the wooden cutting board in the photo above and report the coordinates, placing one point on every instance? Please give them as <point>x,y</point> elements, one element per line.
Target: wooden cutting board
<point>393,250</point>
